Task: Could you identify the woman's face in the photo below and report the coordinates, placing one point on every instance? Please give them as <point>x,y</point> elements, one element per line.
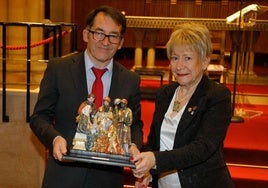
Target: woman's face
<point>186,66</point>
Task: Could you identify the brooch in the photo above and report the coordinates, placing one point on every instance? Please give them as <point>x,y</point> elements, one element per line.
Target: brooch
<point>191,110</point>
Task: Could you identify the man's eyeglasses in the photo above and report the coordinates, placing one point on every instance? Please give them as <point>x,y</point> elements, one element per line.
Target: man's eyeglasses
<point>113,38</point>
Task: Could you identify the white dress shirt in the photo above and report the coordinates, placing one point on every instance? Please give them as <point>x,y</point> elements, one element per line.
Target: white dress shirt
<point>167,136</point>
<point>106,78</point>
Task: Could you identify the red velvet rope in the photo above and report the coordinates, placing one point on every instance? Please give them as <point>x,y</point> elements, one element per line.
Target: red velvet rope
<point>45,41</point>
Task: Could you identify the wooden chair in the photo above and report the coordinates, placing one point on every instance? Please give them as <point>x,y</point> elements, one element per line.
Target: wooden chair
<point>218,47</point>
<point>149,93</point>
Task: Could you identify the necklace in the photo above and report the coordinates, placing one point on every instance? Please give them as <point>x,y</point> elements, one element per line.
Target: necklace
<point>176,106</point>
<point>177,103</point>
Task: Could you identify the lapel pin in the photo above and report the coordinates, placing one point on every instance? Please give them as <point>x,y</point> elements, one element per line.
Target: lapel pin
<point>191,110</point>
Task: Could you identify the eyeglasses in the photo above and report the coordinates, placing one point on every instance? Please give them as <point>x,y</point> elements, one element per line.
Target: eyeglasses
<point>100,36</point>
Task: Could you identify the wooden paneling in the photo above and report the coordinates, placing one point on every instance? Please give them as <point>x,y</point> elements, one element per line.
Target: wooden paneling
<point>163,8</point>
<point>81,8</point>
<point>158,9</point>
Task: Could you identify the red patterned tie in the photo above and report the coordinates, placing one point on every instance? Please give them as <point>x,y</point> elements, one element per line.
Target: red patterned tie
<point>97,87</point>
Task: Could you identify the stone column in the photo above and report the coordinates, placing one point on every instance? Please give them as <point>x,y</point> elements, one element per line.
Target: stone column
<point>152,36</point>
<point>139,36</point>
<point>29,11</point>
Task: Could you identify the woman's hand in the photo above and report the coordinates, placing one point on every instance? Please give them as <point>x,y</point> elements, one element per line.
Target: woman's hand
<point>144,162</point>
<point>144,181</point>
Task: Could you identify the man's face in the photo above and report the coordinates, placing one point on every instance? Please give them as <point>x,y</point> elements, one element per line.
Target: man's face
<point>102,51</point>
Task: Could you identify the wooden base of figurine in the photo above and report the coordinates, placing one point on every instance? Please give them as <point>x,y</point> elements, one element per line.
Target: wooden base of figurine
<point>99,158</point>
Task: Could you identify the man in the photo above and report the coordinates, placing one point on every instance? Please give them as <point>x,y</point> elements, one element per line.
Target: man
<point>66,84</point>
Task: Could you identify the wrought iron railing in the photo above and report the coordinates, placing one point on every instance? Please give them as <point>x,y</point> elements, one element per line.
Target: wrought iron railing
<point>58,31</point>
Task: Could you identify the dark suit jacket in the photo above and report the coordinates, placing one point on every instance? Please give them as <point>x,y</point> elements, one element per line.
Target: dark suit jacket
<point>198,147</point>
<point>62,90</point>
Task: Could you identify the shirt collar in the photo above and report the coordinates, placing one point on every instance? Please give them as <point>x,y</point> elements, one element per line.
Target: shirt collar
<point>89,64</point>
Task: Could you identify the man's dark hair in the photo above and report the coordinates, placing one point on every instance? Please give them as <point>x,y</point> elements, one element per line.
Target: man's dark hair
<point>115,14</point>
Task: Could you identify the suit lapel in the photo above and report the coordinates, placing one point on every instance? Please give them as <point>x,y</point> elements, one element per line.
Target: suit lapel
<point>168,95</point>
<point>165,99</point>
<point>78,74</point>
<point>115,83</point>
<point>191,109</point>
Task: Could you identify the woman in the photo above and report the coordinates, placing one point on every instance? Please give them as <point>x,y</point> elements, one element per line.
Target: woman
<point>191,118</point>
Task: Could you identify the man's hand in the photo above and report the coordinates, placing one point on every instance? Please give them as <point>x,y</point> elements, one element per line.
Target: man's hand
<point>133,150</point>
<point>59,147</point>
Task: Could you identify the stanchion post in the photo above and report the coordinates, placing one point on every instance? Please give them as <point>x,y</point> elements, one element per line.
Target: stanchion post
<point>5,118</point>
<point>28,76</point>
